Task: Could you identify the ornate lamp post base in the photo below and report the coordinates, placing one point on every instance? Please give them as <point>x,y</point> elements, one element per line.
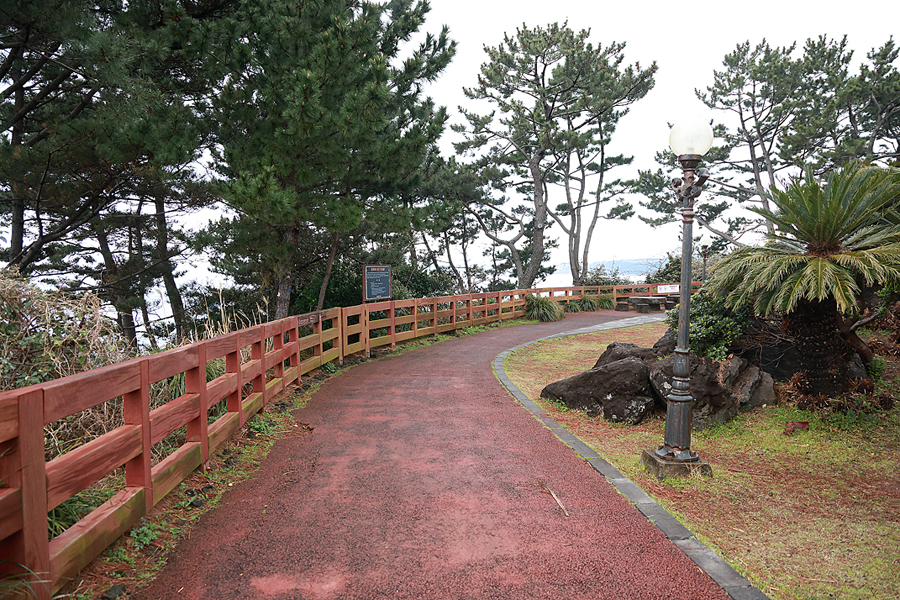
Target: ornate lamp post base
<point>663,467</point>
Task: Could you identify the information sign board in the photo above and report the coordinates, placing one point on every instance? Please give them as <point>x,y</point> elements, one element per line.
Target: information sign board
<point>377,283</point>
<point>668,289</point>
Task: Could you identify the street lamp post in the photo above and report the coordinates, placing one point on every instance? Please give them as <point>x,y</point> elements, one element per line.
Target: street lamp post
<point>689,140</point>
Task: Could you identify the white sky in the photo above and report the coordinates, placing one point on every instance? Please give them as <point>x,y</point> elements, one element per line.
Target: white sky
<point>687,41</point>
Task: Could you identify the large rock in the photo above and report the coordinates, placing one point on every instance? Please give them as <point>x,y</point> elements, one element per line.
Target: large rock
<point>618,391</point>
<point>666,344</point>
<point>626,380</point>
<point>620,350</point>
<point>719,388</point>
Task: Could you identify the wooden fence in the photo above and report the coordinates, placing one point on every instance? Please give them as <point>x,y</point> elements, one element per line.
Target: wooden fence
<point>259,363</point>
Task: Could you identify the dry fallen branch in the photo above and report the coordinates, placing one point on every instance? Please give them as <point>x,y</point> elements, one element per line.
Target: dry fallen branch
<point>558,501</point>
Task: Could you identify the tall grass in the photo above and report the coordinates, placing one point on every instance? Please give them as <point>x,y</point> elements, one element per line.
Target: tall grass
<point>539,308</point>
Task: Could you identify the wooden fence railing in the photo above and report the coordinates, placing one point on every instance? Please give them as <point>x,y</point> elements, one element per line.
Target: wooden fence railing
<point>259,362</point>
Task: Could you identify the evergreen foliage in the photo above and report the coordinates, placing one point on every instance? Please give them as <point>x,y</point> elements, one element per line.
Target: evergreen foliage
<point>99,109</point>
<point>323,127</point>
<point>794,107</point>
<point>713,326</point>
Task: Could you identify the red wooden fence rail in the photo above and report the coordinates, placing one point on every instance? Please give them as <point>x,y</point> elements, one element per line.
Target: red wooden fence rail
<point>259,362</point>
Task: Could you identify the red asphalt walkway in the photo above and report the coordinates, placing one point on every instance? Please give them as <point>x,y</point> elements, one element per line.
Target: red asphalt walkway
<point>423,479</point>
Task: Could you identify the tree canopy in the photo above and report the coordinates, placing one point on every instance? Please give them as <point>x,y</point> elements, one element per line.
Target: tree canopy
<point>323,125</point>
<point>783,109</point>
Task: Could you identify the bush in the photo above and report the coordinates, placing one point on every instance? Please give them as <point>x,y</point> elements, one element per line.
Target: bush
<point>573,307</point>
<point>668,271</point>
<point>588,303</point>
<point>606,301</point>
<point>601,276</point>
<point>46,335</point>
<point>539,308</point>
<point>713,326</point>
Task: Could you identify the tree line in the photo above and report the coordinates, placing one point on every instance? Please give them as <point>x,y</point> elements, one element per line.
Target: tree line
<point>305,126</point>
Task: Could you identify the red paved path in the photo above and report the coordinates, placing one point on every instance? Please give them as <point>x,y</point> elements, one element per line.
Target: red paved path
<point>420,480</point>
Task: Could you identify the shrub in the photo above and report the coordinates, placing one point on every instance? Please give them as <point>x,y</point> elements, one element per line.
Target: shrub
<point>713,326</point>
<point>606,301</point>
<point>601,276</point>
<point>539,308</point>
<point>588,303</point>
<point>573,307</point>
<point>46,335</point>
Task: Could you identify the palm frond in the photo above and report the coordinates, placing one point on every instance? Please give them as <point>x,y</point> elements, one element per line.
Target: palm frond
<point>830,236</point>
<point>824,215</point>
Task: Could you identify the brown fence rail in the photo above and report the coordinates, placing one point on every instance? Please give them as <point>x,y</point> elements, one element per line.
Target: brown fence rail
<point>259,363</point>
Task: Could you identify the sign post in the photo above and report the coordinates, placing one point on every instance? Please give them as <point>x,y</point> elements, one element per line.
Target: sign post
<point>376,282</point>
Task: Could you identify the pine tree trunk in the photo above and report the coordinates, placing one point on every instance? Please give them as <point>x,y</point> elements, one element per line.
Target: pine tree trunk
<point>283,298</point>
<point>17,218</point>
<point>332,254</point>
<point>126,323</point>
<point>821,349</point>
<point>145,315</point>
<point>168,269</point>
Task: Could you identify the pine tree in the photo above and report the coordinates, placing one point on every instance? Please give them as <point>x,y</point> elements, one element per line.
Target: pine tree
<point>322,125</point>
<point>557,100</point>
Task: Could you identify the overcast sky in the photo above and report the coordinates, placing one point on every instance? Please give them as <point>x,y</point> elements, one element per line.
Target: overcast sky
<point>687,42</point>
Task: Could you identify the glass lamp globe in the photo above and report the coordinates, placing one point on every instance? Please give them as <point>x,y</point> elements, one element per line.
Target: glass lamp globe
<point>704,239</point>
<point>692,136</point>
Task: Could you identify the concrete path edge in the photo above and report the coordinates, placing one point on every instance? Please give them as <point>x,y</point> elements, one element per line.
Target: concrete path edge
<point>708,561</point>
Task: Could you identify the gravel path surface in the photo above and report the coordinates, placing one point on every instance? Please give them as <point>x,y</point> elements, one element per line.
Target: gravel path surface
<point>423,478</point>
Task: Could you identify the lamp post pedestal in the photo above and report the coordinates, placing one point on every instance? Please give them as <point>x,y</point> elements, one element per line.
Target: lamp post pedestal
<point>662,468</point>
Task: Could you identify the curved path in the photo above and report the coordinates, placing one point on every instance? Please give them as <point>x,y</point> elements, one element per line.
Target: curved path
<point>423,478</point>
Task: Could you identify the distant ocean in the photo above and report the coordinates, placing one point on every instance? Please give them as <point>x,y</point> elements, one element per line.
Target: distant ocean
<point>634,269</point>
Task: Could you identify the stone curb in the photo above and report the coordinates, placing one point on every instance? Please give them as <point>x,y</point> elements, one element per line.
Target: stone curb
<point>708,561</point>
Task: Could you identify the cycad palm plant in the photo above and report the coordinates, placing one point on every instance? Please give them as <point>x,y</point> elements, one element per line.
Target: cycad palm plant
<point>832,238</point>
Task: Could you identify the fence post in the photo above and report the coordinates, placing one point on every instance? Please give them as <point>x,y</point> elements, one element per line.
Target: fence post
<point>453,317</point>
<point>393,325</point>
<point>434,320</point>
<point>294,337</point>
<point>340,329</point>
<point>258,352</point>
<point>195,383</point>
<point>136,411</point>
<point>343,337</point>
<point>318,349</point>
<point>364,321</point>
<point>28,550</point>
<point>233,365</point>
<point>278,346</point>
